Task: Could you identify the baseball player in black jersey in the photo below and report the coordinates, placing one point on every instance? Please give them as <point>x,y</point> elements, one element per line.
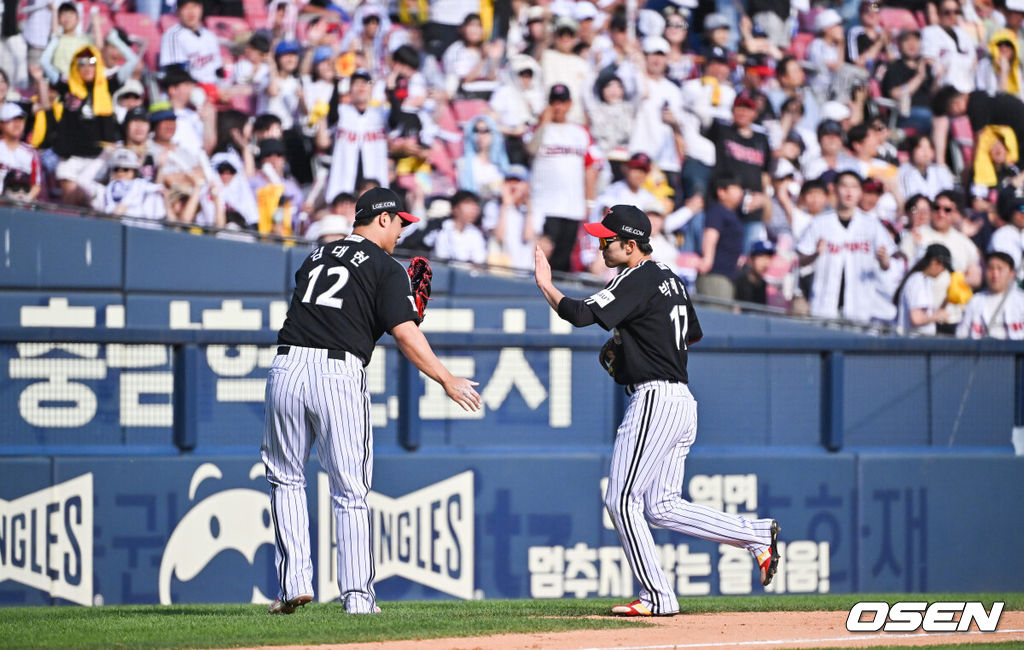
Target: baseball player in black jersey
<point>347,294</point>
<point>653,323</point>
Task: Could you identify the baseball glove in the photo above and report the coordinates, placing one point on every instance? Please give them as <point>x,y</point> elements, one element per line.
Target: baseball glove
<point>419,279</point>
<point>607,355</point>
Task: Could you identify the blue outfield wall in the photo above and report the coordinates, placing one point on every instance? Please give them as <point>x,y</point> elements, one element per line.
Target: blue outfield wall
<point>502,525</point>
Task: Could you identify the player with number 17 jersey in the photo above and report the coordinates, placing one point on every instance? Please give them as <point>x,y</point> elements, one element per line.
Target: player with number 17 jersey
<point>654,322</point>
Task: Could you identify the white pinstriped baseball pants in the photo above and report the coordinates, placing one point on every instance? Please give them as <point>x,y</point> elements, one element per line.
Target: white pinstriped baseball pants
<point>646,478</point>
<point>313,398</point>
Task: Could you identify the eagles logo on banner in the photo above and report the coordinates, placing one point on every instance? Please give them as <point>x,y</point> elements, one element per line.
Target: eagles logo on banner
<point>46,540</point>
<point>426,537</point>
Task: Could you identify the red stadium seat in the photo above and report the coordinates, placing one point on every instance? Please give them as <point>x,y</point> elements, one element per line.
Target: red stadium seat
<point>895,20</point>
<point>167,21</point>
<point>105,21</point>
<point>141,26</point>
<point>467,109</point>
<point>255,13</point>
<point>801,41</point>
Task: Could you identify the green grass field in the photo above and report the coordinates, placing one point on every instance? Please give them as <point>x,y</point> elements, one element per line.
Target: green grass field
<point>224,626</point>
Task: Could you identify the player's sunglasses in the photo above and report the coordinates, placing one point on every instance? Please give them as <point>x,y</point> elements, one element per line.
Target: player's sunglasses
<point>86,60</point>
<point>124,169</point>
<point>605,242</point>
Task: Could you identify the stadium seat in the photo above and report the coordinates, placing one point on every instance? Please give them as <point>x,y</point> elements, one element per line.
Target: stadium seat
<point>167,21</point>
<point>105,21</point>
<point>141,26</point>
<point>255,13</point>
<point>467,109</point>
<point>801,41</point>
<point>895,19</point>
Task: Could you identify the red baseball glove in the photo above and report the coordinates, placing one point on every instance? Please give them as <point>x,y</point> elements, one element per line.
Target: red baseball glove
<point>419,279</point>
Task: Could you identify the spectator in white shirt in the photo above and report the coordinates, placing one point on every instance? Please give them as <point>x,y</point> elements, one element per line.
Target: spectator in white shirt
<point>705,99</point>
<point>950,49</point>
<point>481,169</point>
<point>658,131</point>
<point>517,103</point>
<point>510,223</point>
<point>825,54</point>
<point>191,44</point>
<point>998,312</point>
<point>282,93</point>
<point>128,195</point>
<point>561,65</point>
<point>920,174</point>
<point>563,176</point>
<point>1009,238</point>
<point>460,239</point>
<point>251,70</point>
<point>197,131</point>
<point>916,312</point>
<point>470,65</point>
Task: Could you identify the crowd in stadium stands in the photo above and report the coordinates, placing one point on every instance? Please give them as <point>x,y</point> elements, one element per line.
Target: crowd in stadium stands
<point>842,158</point>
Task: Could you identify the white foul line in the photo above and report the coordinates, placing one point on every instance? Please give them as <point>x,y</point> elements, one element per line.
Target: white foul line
<point>791,641</point>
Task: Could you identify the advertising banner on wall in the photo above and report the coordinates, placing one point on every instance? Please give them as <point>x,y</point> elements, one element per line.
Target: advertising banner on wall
<point>93,531</point>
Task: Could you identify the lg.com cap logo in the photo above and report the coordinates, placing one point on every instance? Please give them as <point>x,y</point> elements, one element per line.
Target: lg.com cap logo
<point>912,616</point>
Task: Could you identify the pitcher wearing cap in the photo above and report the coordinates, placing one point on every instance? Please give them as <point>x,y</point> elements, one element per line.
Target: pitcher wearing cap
<point>653,322</point>
<point>347,294</point>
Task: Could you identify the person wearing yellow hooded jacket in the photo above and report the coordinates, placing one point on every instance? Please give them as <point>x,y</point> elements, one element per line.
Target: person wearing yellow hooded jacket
<point>1002,70</point>
<point>86,122</point>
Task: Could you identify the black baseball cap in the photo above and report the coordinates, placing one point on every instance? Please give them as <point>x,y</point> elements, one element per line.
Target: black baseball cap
<point>260,41</point>
<point>830,127</point>
<point>19,179</point>
<point>138,113</point>
<point>175,74</point>
<point>271,147</point>
<point>377,200</point>
<point>625,221</point>
<point>719,54</point>
<point>559,93</point>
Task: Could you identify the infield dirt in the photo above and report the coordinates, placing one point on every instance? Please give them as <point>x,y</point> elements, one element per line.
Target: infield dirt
<point>760,630</point>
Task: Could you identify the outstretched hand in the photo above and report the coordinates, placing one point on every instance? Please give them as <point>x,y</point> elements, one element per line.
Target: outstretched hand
<point>462,393</point>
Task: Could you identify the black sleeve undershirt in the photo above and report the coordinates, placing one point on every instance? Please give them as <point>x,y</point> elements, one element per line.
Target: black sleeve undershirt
<point>576,312</point>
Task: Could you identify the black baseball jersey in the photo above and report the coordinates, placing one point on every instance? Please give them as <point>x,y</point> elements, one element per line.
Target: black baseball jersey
<point>347,294</point>
<point>651,313</point>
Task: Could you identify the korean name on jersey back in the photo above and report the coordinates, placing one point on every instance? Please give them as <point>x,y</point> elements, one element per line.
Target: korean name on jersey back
<point>347,294</point>
<point>650,310</point>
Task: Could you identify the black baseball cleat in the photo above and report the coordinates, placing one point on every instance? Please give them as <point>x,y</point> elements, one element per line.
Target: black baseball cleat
<point>769,560</point>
